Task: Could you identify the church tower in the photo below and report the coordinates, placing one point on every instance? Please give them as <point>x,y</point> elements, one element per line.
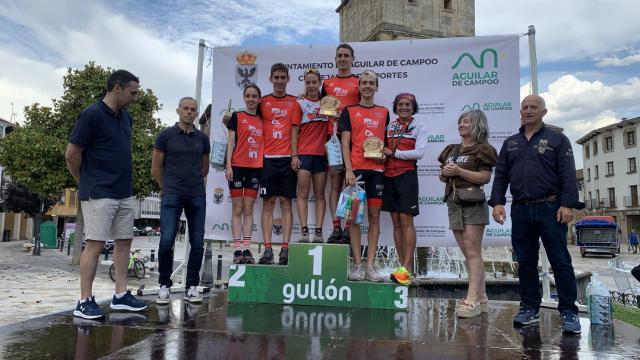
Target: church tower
<point>372,20</point>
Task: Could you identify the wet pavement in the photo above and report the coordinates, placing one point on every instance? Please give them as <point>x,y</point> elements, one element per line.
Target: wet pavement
<point>215,329</point>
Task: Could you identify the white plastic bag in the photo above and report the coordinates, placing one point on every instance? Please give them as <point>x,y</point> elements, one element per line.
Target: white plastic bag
<point>352,204</point>
<point>218,157</point>
<point>334,152</point>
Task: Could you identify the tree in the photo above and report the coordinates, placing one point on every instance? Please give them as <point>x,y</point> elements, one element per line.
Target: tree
<point>33,154</point>
<point>16,198</point>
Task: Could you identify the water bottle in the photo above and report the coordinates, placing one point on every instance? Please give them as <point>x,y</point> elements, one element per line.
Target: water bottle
<point>362,196</point>
<point>599,302</point>
<point>334,153</point>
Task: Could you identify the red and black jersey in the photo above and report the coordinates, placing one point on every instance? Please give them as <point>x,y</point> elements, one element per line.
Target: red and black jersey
<point>279,114</point>
<point>313,129</point>
<point>344,88</point>
<point>364,122</point>
<point>249,146</point>
<point>401,138</point>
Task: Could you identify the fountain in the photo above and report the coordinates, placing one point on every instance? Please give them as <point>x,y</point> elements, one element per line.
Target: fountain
<point>442,273</point>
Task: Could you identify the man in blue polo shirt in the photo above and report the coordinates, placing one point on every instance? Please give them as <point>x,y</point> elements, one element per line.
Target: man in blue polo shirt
<point>99,158</point>
<point>538,164</point>
<point>180,163</point>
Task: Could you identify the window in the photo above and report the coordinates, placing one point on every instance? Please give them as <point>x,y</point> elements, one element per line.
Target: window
<point>612,197</point>
<point>632,165</point>
<point>586,151</point>
<point>597,175</point>
<point>448,4</point>
<point>72,198</point>
<point>588,174</point>
<point>608,143</point>
<point>630,138</point>
<point>634,195</point>
<point>609,168</point>
<point>595,148</point>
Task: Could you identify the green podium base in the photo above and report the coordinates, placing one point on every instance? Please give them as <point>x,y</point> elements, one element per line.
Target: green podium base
<point>316,275</point>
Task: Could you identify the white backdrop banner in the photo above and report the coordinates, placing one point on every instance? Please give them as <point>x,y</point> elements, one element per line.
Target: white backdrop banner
<point>448,76</point>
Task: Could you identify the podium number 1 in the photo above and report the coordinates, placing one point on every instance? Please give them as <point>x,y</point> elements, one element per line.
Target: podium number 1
<point>316,253</point>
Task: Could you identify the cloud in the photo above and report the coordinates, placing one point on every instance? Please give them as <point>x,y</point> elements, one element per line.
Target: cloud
<point>580,106</point>
<point>158,41</point>
<point>614,61</point>
<point>565,30</point>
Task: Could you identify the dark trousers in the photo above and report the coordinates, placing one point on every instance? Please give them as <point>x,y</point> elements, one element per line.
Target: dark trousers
<point>636,272</point>
<point>529,223</point>
<point>170,210</point>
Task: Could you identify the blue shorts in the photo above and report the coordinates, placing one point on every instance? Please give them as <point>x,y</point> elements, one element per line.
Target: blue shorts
<point>313,163</point>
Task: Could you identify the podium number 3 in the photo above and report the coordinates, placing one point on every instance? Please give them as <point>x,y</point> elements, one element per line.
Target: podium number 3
<point>401,303</point>
<point>316,253</point>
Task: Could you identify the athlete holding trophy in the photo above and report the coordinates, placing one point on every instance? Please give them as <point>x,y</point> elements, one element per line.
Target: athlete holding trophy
<point>363,132</point>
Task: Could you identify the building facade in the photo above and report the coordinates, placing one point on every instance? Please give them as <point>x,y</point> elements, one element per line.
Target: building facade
<point>13,226</point>
<point>611,178</point>
<point>371,20</point>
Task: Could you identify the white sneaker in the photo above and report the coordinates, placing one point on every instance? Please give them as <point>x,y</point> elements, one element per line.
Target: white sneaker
<point>192,295</point>
<point>372,275</point>
<point>164,296</point>
<point>356,274</point>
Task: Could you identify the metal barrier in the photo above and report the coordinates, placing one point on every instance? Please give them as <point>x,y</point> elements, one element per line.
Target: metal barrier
<point>625,299</point>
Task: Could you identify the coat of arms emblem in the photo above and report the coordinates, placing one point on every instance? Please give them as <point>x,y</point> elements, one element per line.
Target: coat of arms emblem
<point>218,195</point>
<point>246,70</point>
<point>542,145</point>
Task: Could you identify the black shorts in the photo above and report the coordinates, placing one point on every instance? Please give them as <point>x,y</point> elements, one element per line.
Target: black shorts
<point>244,178</point>
<point>313,163</point>
<point>401,193</point>
<point>373,185</point>
<point>278,179</point>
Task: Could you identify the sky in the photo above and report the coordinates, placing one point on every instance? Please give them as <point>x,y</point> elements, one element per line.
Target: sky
<point>588,51</point>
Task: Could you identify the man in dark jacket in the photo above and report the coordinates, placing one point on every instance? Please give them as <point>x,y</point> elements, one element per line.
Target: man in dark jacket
<point>538,164</point>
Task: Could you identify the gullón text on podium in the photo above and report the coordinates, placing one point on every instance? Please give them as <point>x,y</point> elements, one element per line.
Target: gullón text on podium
<point>316,275</point>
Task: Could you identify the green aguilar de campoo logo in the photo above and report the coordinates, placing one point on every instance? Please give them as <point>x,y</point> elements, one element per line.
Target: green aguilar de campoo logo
<point>478,75</point>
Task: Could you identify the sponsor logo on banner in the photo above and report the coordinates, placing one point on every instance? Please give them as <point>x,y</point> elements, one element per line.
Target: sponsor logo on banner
<point>436,138</point>
<point>218,195</point>
<point>430,200</point>
<point>432,108</point>
<point>220,227</point>
<point>497,232</point>
<point>489,106</point>
<point>277,226</point>
<point>246,70</point>
<point>482,69</point>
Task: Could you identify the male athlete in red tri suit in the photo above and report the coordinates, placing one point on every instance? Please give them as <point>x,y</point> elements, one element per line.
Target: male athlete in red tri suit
<point>358,123</point>
<point>344,86</point>
<point>280,112</point>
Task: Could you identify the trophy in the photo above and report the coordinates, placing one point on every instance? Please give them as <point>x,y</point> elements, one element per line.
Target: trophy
<point>329,106</point>
<point>373,148</point>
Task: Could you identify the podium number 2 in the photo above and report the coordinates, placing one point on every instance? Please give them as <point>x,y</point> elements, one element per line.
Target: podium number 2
<point>234,280</point>
<point>316,253</point>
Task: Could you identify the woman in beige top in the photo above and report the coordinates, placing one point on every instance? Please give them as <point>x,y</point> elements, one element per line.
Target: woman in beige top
<point>467,165</point>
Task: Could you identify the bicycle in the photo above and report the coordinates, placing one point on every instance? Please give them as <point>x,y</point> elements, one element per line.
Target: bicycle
<point>136,266</point>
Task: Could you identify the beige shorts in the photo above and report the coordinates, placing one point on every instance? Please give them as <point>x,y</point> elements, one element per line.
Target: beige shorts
<point>459,215</point>
<point>108,218</point>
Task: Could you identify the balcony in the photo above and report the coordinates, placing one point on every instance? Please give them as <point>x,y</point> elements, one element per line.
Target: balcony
<point>631,201</point>
<point>593,204</point>
<point>609,203</point>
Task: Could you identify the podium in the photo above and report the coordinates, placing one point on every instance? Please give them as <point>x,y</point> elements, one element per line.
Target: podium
<point>316,275</point>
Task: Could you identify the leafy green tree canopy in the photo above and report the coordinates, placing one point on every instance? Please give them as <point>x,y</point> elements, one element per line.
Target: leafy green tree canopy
<point>33,154</point>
